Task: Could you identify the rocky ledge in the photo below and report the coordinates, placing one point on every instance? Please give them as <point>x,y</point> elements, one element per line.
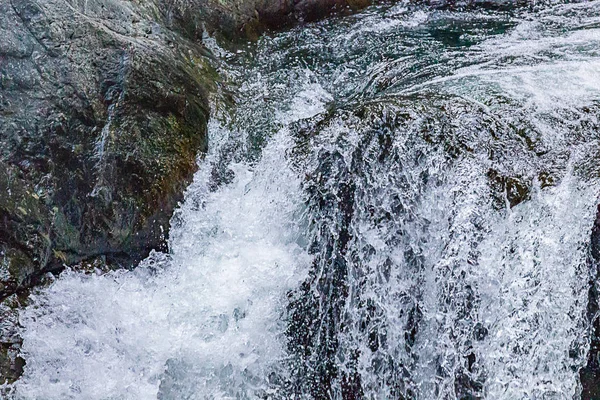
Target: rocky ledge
<point>103,111</point>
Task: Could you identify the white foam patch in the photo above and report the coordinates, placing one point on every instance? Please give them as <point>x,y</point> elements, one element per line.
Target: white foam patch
<point>533,290</point>
<point>218,297</point>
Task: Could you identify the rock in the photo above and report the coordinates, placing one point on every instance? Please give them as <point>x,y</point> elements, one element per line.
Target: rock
<point>359,182</point>
<point>11,365</point>
<point>247,19</point>
<point>103,111</point>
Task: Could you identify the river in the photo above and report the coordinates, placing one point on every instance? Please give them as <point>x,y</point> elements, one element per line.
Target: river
<point>398,206</point>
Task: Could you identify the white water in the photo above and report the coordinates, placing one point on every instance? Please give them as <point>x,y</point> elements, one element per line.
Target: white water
<point>213,303</point>
<point>533,295</point>
<point>209,320</point>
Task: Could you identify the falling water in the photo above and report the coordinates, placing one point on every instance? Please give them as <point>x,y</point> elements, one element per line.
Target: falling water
<point>398,207</point>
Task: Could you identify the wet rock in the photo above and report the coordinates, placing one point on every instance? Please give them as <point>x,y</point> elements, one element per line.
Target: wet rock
<point>25,224</point>
<point>103,111</point>
<point>243,19</point>
<point>11,364</point>
<point>509,190</point>
<point>431,134</point>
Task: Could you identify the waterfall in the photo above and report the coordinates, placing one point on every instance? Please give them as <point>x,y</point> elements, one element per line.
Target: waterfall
<point>399,207</point>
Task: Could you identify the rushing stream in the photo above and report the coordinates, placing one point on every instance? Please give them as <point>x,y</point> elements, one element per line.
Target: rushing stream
<point>399,207</point>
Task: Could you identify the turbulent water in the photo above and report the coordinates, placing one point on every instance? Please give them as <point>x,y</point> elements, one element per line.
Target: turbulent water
<point>399,207</point>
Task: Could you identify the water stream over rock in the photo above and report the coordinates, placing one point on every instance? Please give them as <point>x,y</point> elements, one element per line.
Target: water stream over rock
<point>400,207</point>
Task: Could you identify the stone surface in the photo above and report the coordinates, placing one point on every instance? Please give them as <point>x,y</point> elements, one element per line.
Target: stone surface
<point>11,365</point>
<point>249,18</point>
<point>103,111</point>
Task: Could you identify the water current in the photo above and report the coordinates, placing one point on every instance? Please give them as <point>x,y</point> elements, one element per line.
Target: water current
<point>398,206</point>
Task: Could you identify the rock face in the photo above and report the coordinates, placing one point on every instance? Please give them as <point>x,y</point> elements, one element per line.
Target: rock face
<point>249,18</point>
<point>102,113</point>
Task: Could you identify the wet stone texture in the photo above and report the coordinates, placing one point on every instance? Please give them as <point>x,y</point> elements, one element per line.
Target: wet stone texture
<point>326,340</point>
<point>11,364</point>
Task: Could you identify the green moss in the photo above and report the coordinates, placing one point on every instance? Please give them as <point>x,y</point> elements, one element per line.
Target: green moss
<point>66,235</point>
<point>19,266</point>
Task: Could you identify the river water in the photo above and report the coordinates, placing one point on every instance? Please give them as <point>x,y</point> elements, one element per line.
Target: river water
<point>399,206</point>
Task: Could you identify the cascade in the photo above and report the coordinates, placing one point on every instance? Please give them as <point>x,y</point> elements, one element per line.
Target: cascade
<point>400,206</point>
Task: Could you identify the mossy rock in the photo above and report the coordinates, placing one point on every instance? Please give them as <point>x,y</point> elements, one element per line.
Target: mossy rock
<point>103,116</point>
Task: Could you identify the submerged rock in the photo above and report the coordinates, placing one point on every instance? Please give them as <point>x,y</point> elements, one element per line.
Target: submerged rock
<point>384,158</point>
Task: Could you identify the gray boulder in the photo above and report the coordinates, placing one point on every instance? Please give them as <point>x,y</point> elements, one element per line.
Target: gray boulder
<point>103,111</point>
